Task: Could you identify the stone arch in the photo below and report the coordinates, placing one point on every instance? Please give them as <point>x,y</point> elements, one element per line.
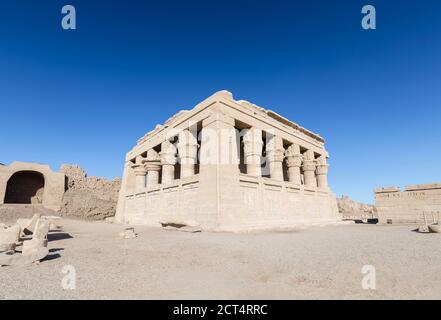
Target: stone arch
<point>32,174</point>
<point>25,187</point>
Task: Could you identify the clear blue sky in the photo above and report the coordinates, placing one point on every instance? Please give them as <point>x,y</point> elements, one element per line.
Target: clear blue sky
<point>86,96</point>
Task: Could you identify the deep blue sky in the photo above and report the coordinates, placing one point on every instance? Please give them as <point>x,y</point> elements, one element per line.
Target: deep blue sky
<point>86,96</point>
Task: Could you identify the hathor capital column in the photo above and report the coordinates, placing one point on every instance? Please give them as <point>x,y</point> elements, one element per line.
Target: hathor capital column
<point>252,142</point>
<point>152,164</point>
<point>188,151</point>
<point>322,173</point>
<point>274,155</point>
<point>140,174</point>
<point>294,162</point>
<point>168,161</point>
<point>309,169</point>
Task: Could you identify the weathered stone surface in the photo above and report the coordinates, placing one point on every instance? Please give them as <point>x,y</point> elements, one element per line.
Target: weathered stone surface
<point>88,197</point>
<point>234,166</point>
<point>31,246</point>
<point>13,259</point>
<point>418,204</point>
<point>9,237</point>
<point>31,183</point>
<point>128,233</point>
<point>435,228</point>
<point>352,209</point>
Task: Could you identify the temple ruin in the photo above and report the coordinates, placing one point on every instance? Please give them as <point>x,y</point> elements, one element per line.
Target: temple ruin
<point>227,165</point>
<point>410,205</point>
<point>31,183</point>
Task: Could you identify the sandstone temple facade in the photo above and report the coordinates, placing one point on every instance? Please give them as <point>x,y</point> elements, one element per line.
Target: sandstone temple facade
<point>410,205</point>
<point>227,165</point>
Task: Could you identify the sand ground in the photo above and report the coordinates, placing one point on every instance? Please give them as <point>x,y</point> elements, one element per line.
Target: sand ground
<point>313,263</point>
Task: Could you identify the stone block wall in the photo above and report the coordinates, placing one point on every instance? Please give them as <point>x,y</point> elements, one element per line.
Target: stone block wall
<point>396,206</point>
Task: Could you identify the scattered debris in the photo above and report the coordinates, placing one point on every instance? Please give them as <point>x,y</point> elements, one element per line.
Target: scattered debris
<point>434,227</point>
<point>39,238</point>
<point>11,258</point>
<point>128,233</point>
<point>33,250</point>
<point>9,238</point>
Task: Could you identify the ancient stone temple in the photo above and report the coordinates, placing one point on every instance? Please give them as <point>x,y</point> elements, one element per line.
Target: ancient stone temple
<point>31,183</point>
<point>227,165</point>
<point>410,205</point>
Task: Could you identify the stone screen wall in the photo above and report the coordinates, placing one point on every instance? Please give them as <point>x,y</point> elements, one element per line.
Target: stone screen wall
<point>396,206</point>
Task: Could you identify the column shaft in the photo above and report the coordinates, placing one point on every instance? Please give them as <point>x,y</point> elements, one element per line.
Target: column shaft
<point>309,169</point>
<point>168,161</point>
<point>253,144</point>
<point>322,173</point>
<point>294,162</point>
<point>274,155</point>
<point>188,150</point>
<point>153,165</point>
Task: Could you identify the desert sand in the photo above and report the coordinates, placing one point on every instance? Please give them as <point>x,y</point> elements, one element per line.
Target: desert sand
<point>310,263</point>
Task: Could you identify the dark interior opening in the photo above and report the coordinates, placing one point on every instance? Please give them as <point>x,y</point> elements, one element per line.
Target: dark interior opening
<point>25,187</point>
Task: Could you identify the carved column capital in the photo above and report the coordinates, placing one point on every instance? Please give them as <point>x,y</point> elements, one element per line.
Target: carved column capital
<point>252,142</point>
<point>138,166</point>
<point>322,169</point>
<point>294,160</point>
<point>187,145</point>
<point>168,153</point>
<point>153,161</point>
<point>139,170</point>
<point>308,165</point>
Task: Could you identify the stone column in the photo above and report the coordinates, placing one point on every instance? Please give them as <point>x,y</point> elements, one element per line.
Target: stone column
<point>322,173</point>
<point>309,169</point>
<point>140,174</point>
<point>152,164</point>
<point>188,151</point>
<point>252,141</point>
<point>294,162</point>
<point>168,161</point>
<point>274,156</point>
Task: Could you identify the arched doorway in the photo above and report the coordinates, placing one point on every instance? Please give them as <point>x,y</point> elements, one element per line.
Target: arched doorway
<point>25,187</point>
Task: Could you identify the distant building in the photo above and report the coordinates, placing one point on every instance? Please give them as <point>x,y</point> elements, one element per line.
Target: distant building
<point>410,205</point>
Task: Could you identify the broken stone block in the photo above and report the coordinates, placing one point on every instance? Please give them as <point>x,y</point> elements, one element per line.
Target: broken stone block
<point>7,247</point>
<point>31,246</point>
<point>9,237</point>
<point>128,233</point>
<point>435,228</point>
<point>12,259</point>
<point>28,225</point>
<point>41,229</point>
<point>423,229</point>
<point>23,223</point>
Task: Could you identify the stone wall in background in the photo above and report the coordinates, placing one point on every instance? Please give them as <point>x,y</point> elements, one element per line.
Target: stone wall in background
<point>86,197</point>
<point>408,206</point>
